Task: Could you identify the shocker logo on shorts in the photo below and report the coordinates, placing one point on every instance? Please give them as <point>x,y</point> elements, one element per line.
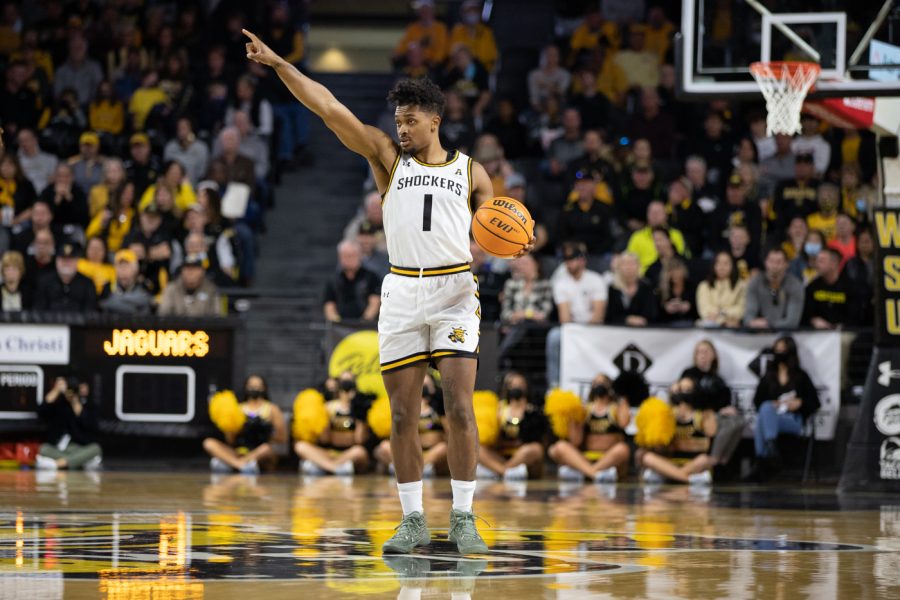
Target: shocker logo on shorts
<point>457,335</point>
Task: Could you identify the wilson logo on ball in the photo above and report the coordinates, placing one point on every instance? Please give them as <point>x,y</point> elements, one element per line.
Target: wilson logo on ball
<point>502,227</point>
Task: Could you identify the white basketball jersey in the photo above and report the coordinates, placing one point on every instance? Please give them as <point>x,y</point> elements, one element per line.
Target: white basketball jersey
<point>427,212</point>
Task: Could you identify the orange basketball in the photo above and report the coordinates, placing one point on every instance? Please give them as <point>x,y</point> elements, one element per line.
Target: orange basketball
<point>502,227</point>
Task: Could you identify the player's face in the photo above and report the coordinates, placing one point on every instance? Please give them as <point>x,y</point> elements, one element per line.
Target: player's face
<point>414,127</point>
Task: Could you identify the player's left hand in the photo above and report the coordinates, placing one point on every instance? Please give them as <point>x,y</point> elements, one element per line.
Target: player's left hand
<point>527,249</point>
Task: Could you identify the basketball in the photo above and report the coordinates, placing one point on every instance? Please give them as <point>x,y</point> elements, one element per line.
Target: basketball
<point>502,227</point>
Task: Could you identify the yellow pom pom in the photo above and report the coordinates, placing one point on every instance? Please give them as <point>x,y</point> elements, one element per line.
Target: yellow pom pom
<point>310,416</point>
<point>563,407</point>
<point>225,412</point>
<point>379,417</point>
<point>655,423</point>
<point>486,405</point>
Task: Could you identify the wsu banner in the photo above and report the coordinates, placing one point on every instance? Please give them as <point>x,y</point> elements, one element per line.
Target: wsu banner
<point>662,354</point>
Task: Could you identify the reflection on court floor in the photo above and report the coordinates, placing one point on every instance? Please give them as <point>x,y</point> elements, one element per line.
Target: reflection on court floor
<point>186,536</point>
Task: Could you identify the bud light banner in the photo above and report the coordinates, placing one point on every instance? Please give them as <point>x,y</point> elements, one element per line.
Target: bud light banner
<point>662,354</point>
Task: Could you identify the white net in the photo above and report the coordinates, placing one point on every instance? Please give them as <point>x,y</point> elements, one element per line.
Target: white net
<point>784,84</point>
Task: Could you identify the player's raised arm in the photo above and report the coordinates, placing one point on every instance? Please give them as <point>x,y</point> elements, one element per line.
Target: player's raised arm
<point>368,141</point>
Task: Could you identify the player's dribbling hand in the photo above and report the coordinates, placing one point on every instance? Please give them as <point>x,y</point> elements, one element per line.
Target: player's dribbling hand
<point>259,52</point>
<point>526,249</point>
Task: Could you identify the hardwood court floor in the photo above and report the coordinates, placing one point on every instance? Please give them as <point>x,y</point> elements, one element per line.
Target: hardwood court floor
<point>186,536</point>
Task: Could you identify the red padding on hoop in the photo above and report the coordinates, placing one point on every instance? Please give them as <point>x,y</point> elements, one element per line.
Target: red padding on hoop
<point>856,113</point>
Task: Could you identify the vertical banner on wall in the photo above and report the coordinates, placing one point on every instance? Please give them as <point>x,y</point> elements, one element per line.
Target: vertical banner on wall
<point>873,454</point>
<point>662,354</point>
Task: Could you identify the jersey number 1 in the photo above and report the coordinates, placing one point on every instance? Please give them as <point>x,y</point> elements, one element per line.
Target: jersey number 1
<point>426,216</point>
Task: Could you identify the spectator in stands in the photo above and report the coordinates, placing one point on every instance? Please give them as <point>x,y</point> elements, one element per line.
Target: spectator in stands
<point>346,432</point>
<point>371,216</point>
<point>765,143</point>
<point>518,452</point>
<point>40,218</point>
<point>795,197</point>
<point>190,152</point>
<point>237,166</point>
<point>39,258</point>
<point>490,154</point>
<point>810,141</point>
<point>785,400</point>
<point>145,99</point>
<point>651,123</point>
<point>687,458</point>
<point>526,295</point>
<point>829,297</point>
<point>721,298</point>
<point>373,259</point>
<point>589,221</point>
<point>143,167</point>
<point>857,200</point>
<point>703,193</point>
<point>354,292</point>
<point>641,241</point>
<point>14,295</point>
<point>715,146</point>
<point>37,165</point>
<point>113,222</point>
<point>594,32</point>
<point>580,296</point>
<point>639,191</point>
<point>67,290</point>
<point>69,202</point>
<point>735,211</point>
<point>467,76</point>
<point>781,164</point>
<point>676,296</point>
<point>774,296</point>
<point>106,114</point>
<point>87,165</point>
<point>659,32</point>
<point>432,425</point>
<point>595,447</point>
<point>508,128</point>
<point>71,426</point>
<point>67,121</point>
<point>176,82</point>
<point>414,65</point>
<point>152,243</point>
<point>95,265</point>
<point>218,260</point>
<point>712,393</point>
<point>475,35</point>
<point>804,266</point>
<point>179,188</point>
<point>457,127</point>
<point>492,276</point>
<point>631,298</point>
<point>796,236</point>
<point>825,219</point>
<point>567,147</point>
<point>214,87</point>
<point>860,270</point>
<point>641,66</point>
<point>686,216</point>
<point>16,192</point>
<point>548,79</point>
<point>745,258</point>
<point>595,161</point>
<point>609,78</point>
<point>250,102</point>
<point>191,294</point>
<point>18,104</point>
<point>594,107</point>
<point>251,448</point>
<point>253,146</point>
<point>126,294</point>
<point>113,179</point>
<point>79,72</point>
<point>665,255</point>
<point>427,32</point>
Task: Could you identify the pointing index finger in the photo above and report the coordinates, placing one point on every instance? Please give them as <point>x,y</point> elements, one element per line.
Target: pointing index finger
<point>250,35</point>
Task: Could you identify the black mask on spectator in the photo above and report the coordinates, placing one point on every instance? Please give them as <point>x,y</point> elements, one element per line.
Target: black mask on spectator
<point>255,394</point>
<point>348,385</point>
<point>426,393</point>
<point>599,391</point>
<point>328,394</point>
<point>686,397</point>
<point>780,358</point>
<point>515,393</point>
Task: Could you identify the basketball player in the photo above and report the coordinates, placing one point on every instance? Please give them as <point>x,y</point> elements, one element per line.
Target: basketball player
<point>429,301</point>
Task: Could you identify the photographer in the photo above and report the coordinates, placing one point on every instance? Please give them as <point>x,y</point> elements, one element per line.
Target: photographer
<point>70,427</point>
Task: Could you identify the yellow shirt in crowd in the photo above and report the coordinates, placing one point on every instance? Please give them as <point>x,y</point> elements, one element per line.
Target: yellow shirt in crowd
<point>480,42</point>
<point>99,273</point>
<point>435,35</point>
<point>142,102</point>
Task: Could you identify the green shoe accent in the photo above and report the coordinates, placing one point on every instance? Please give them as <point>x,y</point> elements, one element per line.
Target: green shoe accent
<point>411,532</point>
<point>465,534</point>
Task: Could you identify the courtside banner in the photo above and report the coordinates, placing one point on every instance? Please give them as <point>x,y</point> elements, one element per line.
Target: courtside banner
<point>887,277</point>
<point>662,354</point>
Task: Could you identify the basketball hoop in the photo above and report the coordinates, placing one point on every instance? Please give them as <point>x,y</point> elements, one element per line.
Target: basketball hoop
<point>785,85</point>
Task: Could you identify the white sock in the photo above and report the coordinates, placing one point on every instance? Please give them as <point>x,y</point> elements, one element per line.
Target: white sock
<point>463,492</point>
<point>409,593</point>
<point>411,497</point>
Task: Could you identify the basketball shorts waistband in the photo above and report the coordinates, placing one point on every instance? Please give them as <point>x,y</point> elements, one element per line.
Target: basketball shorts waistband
<point>430,271</point>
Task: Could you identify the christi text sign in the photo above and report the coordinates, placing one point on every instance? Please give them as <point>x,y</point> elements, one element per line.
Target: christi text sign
<point>34,344</point>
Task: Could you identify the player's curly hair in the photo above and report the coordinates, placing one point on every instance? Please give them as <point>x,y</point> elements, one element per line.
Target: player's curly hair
<point>420,92</point>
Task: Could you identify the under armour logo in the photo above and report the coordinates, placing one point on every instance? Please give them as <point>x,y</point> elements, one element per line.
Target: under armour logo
<point>405,163</point>
<point>887,373</point>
